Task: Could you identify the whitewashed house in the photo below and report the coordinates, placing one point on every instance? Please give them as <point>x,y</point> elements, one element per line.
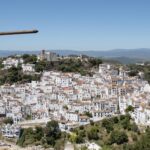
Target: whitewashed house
<point>28,67</point>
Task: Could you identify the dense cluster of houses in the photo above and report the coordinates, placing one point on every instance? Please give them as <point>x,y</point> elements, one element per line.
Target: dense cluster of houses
<point>74,100</point>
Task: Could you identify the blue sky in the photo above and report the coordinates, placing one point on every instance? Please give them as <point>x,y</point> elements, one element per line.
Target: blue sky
<point>76,24</point>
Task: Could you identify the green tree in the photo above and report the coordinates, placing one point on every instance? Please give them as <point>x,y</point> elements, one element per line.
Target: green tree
<point>52,132</point>
<point>25,56</point>
<point>32,59</point>
<point>40,66</point>
<point>81,127</point>
<point>26,137</point>
<point>21,138</point>
<point>118,137</point>
<point>73,137</point>
<point>115,119</point>
<point>133,73</point>
<point>8,120</point>
<point>13,75</point>
<point>65,107</point>
<point>95,61</point>
<point>92,123</point>
<point>108,124</point>
<point>1,65</point>
<point>87,113</point>
<point>80,138</point>
<point>129,109</point>
<point>144,142</point>
<point>39,133</point>
<point>125,121</point>
<point>93,134</point>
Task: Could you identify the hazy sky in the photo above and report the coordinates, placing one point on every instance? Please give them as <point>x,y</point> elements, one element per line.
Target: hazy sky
<point>76,24</point>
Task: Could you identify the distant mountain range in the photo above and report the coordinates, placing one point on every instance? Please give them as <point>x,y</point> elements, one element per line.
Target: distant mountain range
<point>131,53</point>
<point>5,53</point>
<point>122,55</point>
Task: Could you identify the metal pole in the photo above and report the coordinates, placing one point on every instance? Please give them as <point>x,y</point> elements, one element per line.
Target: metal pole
<point>19,32</point>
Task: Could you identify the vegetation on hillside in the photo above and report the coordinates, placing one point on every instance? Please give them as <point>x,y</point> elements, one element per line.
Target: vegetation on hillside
<point>135,69</point>
<point>48,136</point>
<point>8,120</point>
<point>116,133</point>
<point>1,63</point>
<point>31,59</point>
<point>64,64</point>
<point>69,65</point>
<point>15,75</point>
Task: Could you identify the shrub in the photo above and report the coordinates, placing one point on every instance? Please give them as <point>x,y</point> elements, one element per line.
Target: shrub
<point>8,120</point>
<point>93,134</point>
<point>108,124</point>
<point>118,137</point>
<point>129,109</point>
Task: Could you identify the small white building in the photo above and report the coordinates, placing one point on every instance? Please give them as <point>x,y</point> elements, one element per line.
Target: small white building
<point>28,67</point>
<point>72,116</point>
<point>93,146</point>
<point>142,116</point>
<point>10,131</point>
